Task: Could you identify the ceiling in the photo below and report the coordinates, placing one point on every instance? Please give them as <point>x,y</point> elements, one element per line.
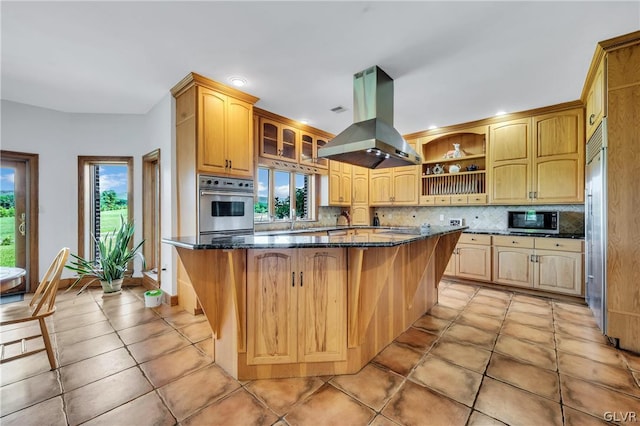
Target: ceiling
<point>452,62</point>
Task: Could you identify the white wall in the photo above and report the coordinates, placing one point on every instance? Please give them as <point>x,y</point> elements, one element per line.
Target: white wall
<point>160,133</point>
<point>59,138</point>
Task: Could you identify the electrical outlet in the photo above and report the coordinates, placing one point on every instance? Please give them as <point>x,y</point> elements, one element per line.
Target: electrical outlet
<point>441,217</point>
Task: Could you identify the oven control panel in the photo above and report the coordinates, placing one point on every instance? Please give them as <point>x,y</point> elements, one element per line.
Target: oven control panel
<point>217,183</point>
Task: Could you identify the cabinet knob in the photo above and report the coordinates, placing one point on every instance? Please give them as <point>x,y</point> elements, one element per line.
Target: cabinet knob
<point>514,242</point>
<point>592,119</point>
<point>557,245</point>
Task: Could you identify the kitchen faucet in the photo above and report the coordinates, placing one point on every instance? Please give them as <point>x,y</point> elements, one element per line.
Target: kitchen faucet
<point>293,218</point>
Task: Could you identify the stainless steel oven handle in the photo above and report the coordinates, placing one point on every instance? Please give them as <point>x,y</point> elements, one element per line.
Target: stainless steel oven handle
<point>234,194</point>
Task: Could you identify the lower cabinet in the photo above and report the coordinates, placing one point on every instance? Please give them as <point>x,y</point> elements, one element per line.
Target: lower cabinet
<point>471,258</point>
<point>296,305</point>
<point>549,264</point>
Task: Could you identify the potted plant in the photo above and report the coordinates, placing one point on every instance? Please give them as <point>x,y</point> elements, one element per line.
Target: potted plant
<point>111,265</point>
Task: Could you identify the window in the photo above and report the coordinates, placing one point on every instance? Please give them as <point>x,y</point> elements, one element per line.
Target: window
<point>280,192</point>
<point>105,195</point>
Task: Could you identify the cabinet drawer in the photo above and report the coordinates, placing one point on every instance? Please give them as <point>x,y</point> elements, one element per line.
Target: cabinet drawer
<point>442,200</point>
<point>459,199</point>
<point>477,199</point>
<point>563,244</point>
<point>427,200</point>
<point>507,241</point>
<point>475,239</point>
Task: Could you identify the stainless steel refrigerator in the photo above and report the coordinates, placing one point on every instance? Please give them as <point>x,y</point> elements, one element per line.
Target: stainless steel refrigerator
<point>596,225</point>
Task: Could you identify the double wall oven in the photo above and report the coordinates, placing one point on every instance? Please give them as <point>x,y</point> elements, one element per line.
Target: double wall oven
<point>225,206</point>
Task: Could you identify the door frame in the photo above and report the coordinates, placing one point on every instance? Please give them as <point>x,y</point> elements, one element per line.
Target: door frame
<point>151,203</point>
<point>33,258</point>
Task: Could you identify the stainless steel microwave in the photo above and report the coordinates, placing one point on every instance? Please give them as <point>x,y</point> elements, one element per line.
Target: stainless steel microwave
<point>534,221</point>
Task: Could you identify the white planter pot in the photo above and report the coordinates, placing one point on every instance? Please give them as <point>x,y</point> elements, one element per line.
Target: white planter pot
<point>112,288</point>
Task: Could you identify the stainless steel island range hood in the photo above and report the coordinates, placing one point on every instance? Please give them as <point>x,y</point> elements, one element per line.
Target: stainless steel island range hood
<point>371,141</point>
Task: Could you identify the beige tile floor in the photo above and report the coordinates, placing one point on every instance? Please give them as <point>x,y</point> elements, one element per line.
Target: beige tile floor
<point>479,357</point>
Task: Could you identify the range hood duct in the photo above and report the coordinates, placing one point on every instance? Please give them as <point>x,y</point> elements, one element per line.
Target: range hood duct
<point>371,141</point>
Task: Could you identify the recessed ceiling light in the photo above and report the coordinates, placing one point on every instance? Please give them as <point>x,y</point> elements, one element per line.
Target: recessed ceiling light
<point>238,81</point>
<point>433,126</point>
<point>500,113</point>
<point>304,121</point>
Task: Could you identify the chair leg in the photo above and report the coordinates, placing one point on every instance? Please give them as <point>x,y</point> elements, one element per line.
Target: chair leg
<point>47,343</point>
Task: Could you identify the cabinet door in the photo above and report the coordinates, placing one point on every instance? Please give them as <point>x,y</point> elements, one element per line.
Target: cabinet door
<point>307,149</point>
<point>360,182</point>
<point>269,139</point>
<point>271,307</point>
<point>559,271</point>
<point>360,215</point>
<point>211,132</point>
<point>405,185</point>
<point>309,145</point>
<point>323,163</point>
<point>380,187</point>
<point>289,143</point>
<point>473,261</point>
<point>339,184</point>
<point>513,266</point>
<point>322,308</point>
<point>239,145</point>
<point>510,162</point>
<point>346,183</point>
<point>595,101</point>
<point>558,158</point>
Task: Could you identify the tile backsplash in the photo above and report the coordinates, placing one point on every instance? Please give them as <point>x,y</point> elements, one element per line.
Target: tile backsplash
<point>475,217</point>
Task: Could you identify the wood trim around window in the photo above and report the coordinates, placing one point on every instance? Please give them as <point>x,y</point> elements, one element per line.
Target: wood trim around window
<point>83,163</point>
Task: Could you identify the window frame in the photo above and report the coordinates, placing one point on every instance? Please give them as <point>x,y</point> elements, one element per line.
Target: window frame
<point>84,162</point>
<point>313,210</point>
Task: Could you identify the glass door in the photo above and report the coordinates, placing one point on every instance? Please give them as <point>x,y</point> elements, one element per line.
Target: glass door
<point>13,226</point>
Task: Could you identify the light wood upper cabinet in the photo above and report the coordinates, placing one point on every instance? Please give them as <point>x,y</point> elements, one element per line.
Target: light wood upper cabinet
<point>224,135</point>
<point>239,131</point>
<point>309,144</point>
<point>558,158</point>
<point>510,162</point>
<point>394,186</point>
<point>360,180</point>
<point>538,160</point>
<point>595,101</point>
<point>360,211</point>
<point>340,184</point>
<point>278,141</point>
<point>296,306</point>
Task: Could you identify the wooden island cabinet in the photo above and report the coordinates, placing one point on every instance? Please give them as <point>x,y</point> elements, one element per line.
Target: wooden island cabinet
<point>302,305</point>
<point>297,305</point>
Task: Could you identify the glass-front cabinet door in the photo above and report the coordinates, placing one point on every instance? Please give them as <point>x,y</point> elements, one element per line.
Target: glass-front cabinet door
<point>278,141</point>
<point>309,145</point>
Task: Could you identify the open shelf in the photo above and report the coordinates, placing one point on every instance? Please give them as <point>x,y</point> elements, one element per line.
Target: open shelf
<point>454,183</point>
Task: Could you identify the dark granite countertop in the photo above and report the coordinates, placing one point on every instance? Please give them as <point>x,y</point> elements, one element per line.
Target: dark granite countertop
<point>522,234</point>
<point>382,237</point>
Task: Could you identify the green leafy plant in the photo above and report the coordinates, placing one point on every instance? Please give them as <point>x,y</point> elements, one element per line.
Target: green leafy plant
<point>114,256</point>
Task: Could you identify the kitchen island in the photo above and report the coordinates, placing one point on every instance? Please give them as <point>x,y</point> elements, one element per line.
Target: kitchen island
<point>313,303</point>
